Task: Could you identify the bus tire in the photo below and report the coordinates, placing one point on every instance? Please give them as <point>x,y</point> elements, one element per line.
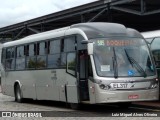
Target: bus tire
<point>18,94</point>
<point>75,106</point>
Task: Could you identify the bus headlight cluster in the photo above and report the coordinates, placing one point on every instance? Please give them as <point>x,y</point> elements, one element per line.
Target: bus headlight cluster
<point>104,87</point>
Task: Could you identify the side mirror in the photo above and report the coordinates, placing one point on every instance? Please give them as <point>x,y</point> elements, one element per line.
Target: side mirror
<point>90,48</point>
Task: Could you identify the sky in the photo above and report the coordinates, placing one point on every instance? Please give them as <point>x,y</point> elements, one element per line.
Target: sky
<point>15,11</point>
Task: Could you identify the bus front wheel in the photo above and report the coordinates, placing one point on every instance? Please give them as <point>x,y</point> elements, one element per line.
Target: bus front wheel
<point>18,94</point>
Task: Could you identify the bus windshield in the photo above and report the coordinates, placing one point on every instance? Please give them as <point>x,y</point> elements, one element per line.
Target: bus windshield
<point>122,58</point>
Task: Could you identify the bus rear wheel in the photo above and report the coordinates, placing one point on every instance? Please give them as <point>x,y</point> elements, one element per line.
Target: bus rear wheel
<point>18,94</point>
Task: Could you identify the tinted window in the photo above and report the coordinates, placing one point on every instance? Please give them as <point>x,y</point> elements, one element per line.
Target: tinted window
<point>54,46</point>
<point>10,61</point>
<point>54,50</point>
<point>41,48</point>
<point>20,63</point>
<point>20,51</point>
<point>70,43</point>
<point>41,55</point>
<point>3,56</point>
<point>155,46</point>
<point>71,63</point>
<point>10,52</point>
<point>20,58</point>
<point>63,60</point>
<point>31,62</point>
<point>41,62</point>
<point>31,50</point>
<point>54,61</point>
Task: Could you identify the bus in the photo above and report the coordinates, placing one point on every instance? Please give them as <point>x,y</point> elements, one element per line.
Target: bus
<point>0,60</point>
<point>153,39</point>
<point>93,63</point>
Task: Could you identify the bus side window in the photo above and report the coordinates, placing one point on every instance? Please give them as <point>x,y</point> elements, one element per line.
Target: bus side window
<point>71,63</point>
<point>20,58</point>
<point>41,55</point>
<point>53,54</point>
<point>31,58</point>
<point>70,45</point>
<point>83,59</point>
<point>10,58</point>
<point>63,54</point>
<point>3,56</point>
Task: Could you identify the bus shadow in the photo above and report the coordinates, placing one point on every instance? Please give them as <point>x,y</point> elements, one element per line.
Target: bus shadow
<point>99,108</point>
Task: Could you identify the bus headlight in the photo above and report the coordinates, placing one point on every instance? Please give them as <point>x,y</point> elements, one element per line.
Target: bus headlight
<point>104,87</point>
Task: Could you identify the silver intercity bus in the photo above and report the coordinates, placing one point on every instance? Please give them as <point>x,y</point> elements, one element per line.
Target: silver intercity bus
<point>84,63</point>
<point>153,39</point>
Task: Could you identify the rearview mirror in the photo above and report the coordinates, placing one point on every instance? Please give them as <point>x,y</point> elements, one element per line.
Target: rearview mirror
<point>86,41</point>
<point>90,48</point>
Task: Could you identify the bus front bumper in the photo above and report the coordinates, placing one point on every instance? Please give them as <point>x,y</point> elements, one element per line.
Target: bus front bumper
<point>127,96</point>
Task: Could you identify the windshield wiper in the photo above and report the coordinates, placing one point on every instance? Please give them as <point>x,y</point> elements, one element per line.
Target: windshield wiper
<point>115,64</point>
<point>136,65</point>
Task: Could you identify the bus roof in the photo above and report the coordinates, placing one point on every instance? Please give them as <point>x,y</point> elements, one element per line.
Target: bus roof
<point>102,29</point>
<point>36,37</point>
<point>89,30</point>
<point>151,34</point>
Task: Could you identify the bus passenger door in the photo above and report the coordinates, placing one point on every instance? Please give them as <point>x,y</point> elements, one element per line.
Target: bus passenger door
<point>71,78</point>
<point>83,75</point>
<point>91,84</point>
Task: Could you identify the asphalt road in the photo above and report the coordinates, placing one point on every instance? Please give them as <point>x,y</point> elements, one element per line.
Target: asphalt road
<point>58,110</point>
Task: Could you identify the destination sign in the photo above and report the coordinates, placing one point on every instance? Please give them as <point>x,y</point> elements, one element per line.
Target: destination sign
<point>116,42</point>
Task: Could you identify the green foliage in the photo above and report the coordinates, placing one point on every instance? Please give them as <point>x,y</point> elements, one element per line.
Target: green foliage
<point>39,64</point>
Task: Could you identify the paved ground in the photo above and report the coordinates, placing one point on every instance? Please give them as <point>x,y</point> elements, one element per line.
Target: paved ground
<point>58,109</point>
<point>88,112</point>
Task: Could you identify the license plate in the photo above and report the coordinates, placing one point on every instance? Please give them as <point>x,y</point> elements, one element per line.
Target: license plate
<point>119,85</point>
<point>133,97</point>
